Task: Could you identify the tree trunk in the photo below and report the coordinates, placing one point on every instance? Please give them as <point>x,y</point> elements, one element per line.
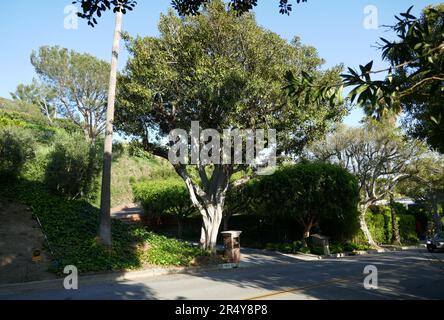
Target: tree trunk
<point>364,227</point>
<point>212,218</point>
<point>209,201</point>
<point>307,229</point>
<point>105,201</point>
<point>396,238</point>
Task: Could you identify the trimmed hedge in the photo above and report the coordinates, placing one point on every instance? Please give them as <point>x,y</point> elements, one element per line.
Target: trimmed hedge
<point>380,224</point>
<point>164,197</point>
<point>407,228</point>
<point>325,192</point>
<point>159,197</point>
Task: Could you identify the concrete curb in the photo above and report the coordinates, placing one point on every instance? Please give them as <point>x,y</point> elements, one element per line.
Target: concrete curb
<point>372,251</point>
<point>403,248</point>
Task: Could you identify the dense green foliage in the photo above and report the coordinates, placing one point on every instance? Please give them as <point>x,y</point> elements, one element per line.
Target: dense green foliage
<point>215,68</point>
<point>160,197</point>
<point>164,197</point>
<point>380,224</point>
<point>378,154</point>
<point>165,251</point>
<point>413,82</point>
<point>338,247</point>
<point>69,224</point>
<point>314,194</point>
<point>71,227</point>
<point>224,71</point>
<point>19,106</point>
<point>73,166</point>
<point>78,84</point>
<point>16,147</point>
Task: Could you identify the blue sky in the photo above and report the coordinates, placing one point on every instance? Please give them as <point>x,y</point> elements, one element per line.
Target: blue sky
<point>335,28</point>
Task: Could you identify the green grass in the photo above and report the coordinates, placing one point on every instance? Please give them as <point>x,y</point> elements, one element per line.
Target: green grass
<point>126,168</point>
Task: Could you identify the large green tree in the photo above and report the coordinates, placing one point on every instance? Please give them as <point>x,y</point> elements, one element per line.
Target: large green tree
<point>226,72</point>
<point>77,83</point>
<point>413,84</point>
<point>377,154</point>
<point>93,9</point>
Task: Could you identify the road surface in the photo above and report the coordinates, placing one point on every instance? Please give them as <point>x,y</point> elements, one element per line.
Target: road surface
<point>412,274</point>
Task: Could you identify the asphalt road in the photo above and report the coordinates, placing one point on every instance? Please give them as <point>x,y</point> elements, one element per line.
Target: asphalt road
<point>412,274</point>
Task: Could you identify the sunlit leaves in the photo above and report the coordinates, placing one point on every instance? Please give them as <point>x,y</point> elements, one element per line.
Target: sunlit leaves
<point>413,83</point>
<point>93,8</point>
<point>192,7</point>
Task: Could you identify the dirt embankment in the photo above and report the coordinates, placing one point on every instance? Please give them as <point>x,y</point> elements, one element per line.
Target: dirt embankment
<point>20,236</point>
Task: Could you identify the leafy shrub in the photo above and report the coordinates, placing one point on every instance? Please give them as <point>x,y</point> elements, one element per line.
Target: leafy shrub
<point>293,247</point>
<point>378,223</point>
<point>336,248</point>
<point>165,251</point>
<point>39,126</point>
<point>317,251</point>
<point>347,247</point>
<point>135,149</point>
<point>300,247</point>
<point>35,170</point>
<point>321,192</point>
<point>16,147</point>
<point>407,228</point>
<point>304,250</point>
<point>68,126</point>
<point>23,111</point>
<point>164,197</point>
<point>73,166</point>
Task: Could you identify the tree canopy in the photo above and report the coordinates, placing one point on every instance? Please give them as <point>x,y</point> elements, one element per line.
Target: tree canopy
<point>93,9</point>
<point>226,72</point>
<point>192,7</point>
<point>426,187</point>
<point>377,154</point>
<point>79,83</point>
<point>413,83</point>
